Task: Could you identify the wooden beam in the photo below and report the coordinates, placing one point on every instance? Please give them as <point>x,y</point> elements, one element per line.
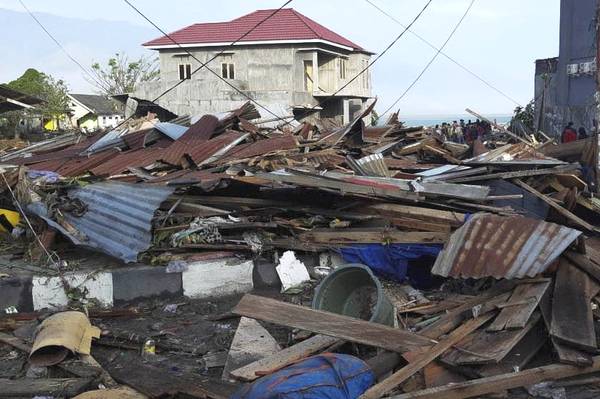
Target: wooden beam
<point>30,387</point>
<point>331,324</point>
<point>572,317</point>
<point>289,355</point>
<point>524,300</point>
<point>385,386</point>
<point>515,174</point>
<point>427,214</point>
<point>483,347</point>
<point>487,385</point>
<point>569,215</point>
<point>377,236</point>
<point>584,263</point>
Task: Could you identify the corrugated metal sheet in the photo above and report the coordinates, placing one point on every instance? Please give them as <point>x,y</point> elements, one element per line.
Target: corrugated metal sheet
<point>120,163</point>
<point>261,147</point>
<point>502,247</point>
<point>119,216</point>
<point>172,130</point>
<point>79,166</point>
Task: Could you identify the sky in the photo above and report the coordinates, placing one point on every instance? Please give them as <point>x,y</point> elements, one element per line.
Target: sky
<point>499,41</point>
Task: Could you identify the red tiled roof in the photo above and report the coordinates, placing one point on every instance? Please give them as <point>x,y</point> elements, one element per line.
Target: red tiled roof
<point>286,24</point>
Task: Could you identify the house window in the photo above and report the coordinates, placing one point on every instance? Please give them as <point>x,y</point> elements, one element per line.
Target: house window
<point>227,70</point>
<point>342,68</point>
<point>308,76</point>
<point>185,71</point>
<point>365,75</point>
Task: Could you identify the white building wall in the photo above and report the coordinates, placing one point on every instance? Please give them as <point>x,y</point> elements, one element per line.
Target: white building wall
<point>270,74</point>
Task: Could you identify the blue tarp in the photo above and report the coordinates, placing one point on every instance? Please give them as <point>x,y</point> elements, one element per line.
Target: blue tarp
<point>389,261</point>
<point>326,376</point>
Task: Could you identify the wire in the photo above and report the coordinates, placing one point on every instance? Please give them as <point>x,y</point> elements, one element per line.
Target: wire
<point>432,59</point>
<point>51,257</point>
<point>463,67</point>
<point>204,64</point>
<point>91,76</point>
<point>371,63</point>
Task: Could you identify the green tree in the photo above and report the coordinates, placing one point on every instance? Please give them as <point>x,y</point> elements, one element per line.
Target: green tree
<point>52,91</point>
<point>121,75</point>
<point>523,119</point>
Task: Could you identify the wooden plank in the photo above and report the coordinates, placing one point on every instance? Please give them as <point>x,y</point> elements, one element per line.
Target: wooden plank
<point>419,225</point>
<point>454,318</point>
<point>520,355</point>
<point>331,324</point>
<point>572,317</point>
<point>569,215</point>
<point>436,374</point>
<point>515,174</point>
<point>289,355</point>
<point>415,212</point>
<point>364,236</point>
<point>584,263</point>
<point>425,358</point>
<point>30,387</point>
<point>565,353</point>
<point>483,347</point>
<point>498,383</point>
<point>521,305</point>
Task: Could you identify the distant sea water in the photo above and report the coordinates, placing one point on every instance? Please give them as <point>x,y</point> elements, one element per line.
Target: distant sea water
<point>432,120</point>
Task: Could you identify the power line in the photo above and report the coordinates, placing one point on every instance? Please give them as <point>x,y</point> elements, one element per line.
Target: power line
<point>61,46</point>
<point>463,67</point>
<point>432,59</point>
<point>371,63</point>
<point>205,64</point>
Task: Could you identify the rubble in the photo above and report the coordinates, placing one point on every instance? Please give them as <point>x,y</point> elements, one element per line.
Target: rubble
<point>485,250</point>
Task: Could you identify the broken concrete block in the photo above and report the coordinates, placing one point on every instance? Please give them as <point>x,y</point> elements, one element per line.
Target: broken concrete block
<point>291,271</point>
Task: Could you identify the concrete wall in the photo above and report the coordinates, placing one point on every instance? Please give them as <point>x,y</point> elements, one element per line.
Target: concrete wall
<point>273,75</point>
<point>562,97</point>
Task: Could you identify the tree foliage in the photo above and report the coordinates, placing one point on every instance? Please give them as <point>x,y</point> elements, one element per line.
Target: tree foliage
<point>121,75</point>
<point>524,117</point>
<point>45,87</point>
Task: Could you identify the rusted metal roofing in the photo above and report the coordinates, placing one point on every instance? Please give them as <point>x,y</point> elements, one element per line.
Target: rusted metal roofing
<point>198,150</point>
<point>79,166</point>
<point>120,163</point>
<point>503,247</point>
<point>261,147</point>
<point>118,220</point>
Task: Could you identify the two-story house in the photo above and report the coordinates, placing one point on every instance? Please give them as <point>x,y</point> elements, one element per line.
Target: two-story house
<point>287,64</point>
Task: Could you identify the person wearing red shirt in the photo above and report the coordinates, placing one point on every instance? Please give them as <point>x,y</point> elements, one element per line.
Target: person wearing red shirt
<point>569,134</point>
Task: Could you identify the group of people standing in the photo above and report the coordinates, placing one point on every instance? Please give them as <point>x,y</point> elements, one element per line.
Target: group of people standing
<point>461,132</point>
<point>569,134</point>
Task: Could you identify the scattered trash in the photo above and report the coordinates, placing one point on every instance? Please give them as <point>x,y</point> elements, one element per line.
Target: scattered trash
<point>61,334</point>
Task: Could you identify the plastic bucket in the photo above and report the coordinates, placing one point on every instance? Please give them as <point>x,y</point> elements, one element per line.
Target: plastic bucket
<point>352,290</point>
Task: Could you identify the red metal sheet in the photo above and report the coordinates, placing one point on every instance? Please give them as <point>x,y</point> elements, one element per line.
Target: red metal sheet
<point>120,163</point>
<point>261,147</point>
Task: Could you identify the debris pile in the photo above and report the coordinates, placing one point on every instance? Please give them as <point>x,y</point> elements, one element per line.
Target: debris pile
<point>473,268</point>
